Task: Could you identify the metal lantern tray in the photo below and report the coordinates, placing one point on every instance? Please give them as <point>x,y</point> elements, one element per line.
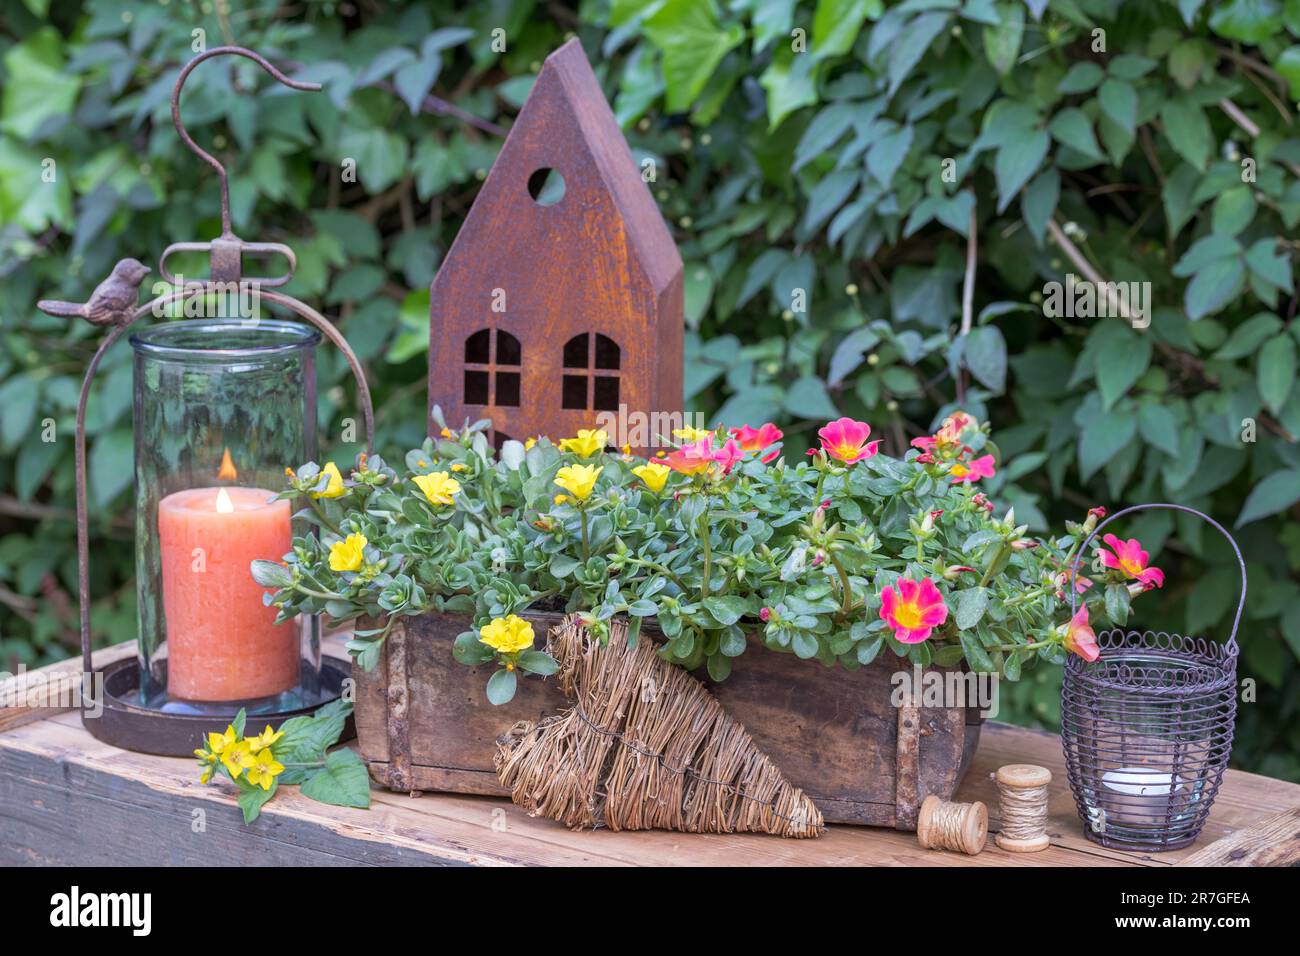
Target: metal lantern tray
<point>1147,728</point>
<point>114,707</point>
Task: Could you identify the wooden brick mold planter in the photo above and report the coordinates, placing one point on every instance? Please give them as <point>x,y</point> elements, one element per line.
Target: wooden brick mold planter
<point>424,723</point>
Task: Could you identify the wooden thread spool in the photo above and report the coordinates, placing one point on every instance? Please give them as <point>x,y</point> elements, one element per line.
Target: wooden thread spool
<point>1022,789</point>
<point>952,826</point>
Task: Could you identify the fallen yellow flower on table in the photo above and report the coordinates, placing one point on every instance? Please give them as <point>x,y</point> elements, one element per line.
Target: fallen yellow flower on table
<point>264,739</point>
<point>578,480</point>
<point>439,487</point>
<point>507,635</point>
<point>654,475</point>
<point>347,555</point>
<point>590,441</point>
<point>263,769</point>
<point>334,489</point>
<point>237,758</point>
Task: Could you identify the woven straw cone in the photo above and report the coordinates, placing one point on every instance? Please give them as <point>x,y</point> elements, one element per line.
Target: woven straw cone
<point>645,747</point>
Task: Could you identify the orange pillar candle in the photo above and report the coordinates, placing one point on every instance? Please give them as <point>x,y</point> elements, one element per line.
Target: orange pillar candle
<point>222,642</point>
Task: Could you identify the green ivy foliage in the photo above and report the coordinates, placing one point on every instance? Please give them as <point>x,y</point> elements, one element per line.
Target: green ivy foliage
<point>830,170</point>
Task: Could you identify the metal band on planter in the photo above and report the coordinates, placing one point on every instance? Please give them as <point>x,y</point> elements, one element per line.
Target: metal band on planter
<point>1147,728</point>
<point>122,713</point>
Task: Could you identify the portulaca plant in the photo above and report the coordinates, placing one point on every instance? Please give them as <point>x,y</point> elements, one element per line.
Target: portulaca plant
<point>720,543</point>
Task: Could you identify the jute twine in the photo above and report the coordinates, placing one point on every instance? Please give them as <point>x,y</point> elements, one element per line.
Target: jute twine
<point>645,746</point>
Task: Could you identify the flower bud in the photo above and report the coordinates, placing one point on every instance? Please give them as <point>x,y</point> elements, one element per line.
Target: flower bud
<point>765,614</point>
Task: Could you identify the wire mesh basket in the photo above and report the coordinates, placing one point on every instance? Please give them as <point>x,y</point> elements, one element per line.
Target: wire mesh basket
<point>1147,727</point>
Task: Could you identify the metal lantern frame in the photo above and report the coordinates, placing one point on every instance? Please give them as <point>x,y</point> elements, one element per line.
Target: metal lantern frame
<point>1154,703</point>
<point>123,722</point>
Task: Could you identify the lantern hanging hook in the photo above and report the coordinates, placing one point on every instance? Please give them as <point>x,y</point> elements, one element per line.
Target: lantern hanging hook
<point>199,151</point>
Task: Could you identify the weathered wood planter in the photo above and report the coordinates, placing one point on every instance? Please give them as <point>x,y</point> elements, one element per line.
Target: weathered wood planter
<point>424,723</point>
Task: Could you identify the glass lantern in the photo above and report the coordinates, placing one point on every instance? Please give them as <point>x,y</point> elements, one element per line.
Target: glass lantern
<point>222,406</point>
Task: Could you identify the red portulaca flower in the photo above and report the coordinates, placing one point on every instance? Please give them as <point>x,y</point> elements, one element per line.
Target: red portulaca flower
<point>1079,637</point>
<point>971,471</point>
<point>758,439</point>
<point>1128,557</point>
<point>846,440</point>
<point>914,610</point>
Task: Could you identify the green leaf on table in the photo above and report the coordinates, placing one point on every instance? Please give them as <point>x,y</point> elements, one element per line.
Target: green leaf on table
<point>252,798</point>
<point>306,739</point>
<point>342,782</point>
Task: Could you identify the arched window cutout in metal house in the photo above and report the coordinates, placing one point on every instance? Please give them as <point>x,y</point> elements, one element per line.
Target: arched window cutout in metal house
<point>493,360</point>
<point>591,373</point>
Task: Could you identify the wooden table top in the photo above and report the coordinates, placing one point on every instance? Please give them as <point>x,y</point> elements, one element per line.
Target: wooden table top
<point>58,785</point>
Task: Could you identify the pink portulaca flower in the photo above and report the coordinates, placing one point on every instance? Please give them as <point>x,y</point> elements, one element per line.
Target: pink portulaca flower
<point>1129,558</point>
<point>971,471</point>
<point>728,455</point>
<point>846,440</point>
<point>913,610</point>
<point>693,459</point>
<point>759,439</point>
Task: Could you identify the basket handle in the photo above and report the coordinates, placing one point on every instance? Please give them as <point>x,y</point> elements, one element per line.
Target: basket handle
<point>1241,562</point>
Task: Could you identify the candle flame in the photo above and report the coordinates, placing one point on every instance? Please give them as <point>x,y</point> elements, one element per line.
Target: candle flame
<point>224,504</point>
<point>227,470</point>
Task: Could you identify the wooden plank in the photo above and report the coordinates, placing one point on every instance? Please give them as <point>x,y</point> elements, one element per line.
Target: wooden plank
<point>58,784</point>
<point>61,784</point>
<point>37,694</point>
<point>1274,841</point>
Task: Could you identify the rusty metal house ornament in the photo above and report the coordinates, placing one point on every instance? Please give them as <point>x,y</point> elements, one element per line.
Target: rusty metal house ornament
<point>561,297</point>
<point>126,720</point>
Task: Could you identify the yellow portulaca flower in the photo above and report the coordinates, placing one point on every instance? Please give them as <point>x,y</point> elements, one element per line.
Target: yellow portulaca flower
<point>335,487</point>
<point>438,487</point>
<point>578,480</point>
<point>347,555</point>
<point>459,466</point>
<point>590,441</point>
<point>529,443</point>
<point>690,436</point>
<point>507,635</point>
<point>264,739</point>
<point>560,499</point>
<point>263,769</point>
<point>654,475</point>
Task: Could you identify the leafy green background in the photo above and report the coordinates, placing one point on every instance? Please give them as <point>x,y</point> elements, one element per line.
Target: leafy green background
<point>1158,138</point>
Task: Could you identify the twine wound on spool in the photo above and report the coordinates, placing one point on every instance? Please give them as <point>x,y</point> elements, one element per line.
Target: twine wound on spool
<point>942,825</point>
<point>1022,795</point>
